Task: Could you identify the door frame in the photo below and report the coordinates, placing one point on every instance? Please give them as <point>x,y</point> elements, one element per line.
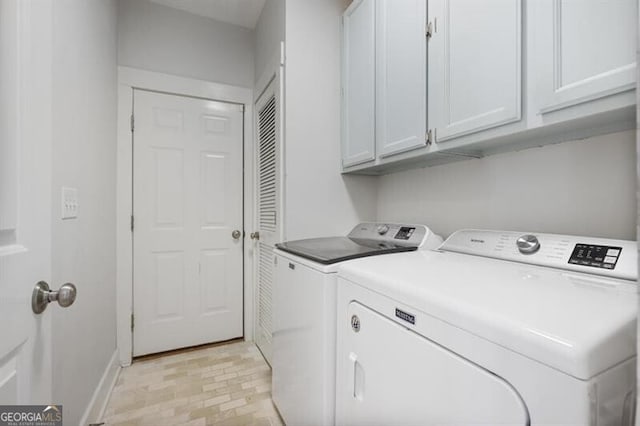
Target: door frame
<point>132,78</point>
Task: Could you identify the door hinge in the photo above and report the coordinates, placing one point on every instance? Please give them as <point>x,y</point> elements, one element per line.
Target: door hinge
<point>132,123</point>
<point>131,223</point>
<point>431,28</point>
<point>132,321</point>
<point>430,137</point>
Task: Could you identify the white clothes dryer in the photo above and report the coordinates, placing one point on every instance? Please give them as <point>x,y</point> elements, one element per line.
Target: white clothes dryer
<point>494,328</point>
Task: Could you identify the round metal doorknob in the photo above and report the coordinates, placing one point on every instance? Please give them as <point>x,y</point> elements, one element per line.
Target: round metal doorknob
<point>255,235</point>
<point>236,234</point>
<point>42,295</point>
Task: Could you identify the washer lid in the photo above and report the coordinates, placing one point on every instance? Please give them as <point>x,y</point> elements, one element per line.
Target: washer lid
<point>337,249</point>
<point>577,323</point>
<point>365,239</point>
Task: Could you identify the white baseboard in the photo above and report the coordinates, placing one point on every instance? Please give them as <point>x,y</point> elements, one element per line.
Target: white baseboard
<point>100,397</point>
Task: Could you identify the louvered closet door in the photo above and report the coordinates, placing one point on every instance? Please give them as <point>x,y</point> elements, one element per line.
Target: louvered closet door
<point>268,201</point>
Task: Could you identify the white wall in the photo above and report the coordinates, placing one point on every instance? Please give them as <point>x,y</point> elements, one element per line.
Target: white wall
<point>162,39</point>
<point>583,187</point>
<point>319,200</point>
<point>84,157</point>
<point>268,34</point>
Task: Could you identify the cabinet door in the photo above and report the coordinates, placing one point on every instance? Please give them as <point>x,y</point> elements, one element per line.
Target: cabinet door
<point>401,74</point>
<point>585,50</point>
<point>358,83</point>
<point>475,65</point>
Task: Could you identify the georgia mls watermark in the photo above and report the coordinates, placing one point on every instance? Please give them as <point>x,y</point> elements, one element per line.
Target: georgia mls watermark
<point>30,415</point>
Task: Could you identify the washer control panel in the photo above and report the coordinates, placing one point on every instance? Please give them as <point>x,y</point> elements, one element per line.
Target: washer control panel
<point>383,229</point>
<point>613,258</point>
<point>399,234</point>
<point>405,233</point>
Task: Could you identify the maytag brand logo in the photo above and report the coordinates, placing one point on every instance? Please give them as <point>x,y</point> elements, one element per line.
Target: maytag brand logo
<point>30,415</point>
<point>475,240</point>
<point>405,316</point>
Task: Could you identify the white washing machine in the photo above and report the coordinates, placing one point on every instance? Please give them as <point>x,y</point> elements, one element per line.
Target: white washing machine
<point>494,328</point>
<point>304,313</point>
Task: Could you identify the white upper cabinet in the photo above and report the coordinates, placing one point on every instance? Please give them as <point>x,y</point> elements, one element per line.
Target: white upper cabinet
<point>481,77</point>
<point>584,50</point>
<point>401,75</point>
<point>358,83</point>
<point>475,65</point>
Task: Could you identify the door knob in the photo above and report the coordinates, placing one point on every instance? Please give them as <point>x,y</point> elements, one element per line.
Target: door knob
<point>236,234</point>
<point>255,235</point>
<point>42,296</point>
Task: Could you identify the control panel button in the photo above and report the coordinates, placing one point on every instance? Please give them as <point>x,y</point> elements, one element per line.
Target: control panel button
<point>383,229</point>
<point>613,252</point>
<point>528,244</point>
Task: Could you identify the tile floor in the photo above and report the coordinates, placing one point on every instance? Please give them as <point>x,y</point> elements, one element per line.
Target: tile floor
<point>228,384</point>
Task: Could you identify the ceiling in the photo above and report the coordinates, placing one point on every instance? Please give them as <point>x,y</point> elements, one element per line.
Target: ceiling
<point>239,12</point>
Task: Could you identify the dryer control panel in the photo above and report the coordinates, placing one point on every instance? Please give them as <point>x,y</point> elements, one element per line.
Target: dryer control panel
<point>595,255</point>
<point>612,258</point>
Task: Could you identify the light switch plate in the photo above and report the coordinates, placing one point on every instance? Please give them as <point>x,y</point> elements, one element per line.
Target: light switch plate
<point>69,203</point>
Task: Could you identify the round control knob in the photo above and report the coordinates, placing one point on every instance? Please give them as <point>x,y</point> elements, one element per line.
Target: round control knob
<point>528,244</point>
<point>383,229</point>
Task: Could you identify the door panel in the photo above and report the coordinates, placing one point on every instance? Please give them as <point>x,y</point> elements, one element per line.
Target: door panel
<point>268,202</point>
<point>187,202</point>
<point>388,374</point>
<point>576,63</point>
<point>475,80</point>
<point>25,200</point>
<point>401,74</point>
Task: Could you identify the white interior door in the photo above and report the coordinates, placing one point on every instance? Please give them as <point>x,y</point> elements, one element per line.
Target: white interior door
<point>25,200</point>
<point>268,212</point>
<point>187,189</point>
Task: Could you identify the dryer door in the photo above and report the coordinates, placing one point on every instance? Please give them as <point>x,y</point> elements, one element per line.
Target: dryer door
<point>388,374</point>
